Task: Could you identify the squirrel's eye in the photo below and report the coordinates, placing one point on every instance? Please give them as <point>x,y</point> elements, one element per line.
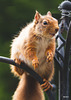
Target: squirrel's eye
<point>45,23</point>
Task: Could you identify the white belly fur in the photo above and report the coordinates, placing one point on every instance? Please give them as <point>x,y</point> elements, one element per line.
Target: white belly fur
<point>43,65</point>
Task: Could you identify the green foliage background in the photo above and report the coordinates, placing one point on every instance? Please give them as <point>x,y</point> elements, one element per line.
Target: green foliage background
<point>14,14</point>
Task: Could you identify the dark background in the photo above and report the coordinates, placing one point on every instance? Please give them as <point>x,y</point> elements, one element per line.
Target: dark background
<point>14,14</point>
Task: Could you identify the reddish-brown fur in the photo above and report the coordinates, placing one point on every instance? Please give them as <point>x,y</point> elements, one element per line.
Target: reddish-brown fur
<point>35,46</point>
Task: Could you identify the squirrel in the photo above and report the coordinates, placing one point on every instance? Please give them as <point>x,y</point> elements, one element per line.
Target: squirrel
<point>35,46</point>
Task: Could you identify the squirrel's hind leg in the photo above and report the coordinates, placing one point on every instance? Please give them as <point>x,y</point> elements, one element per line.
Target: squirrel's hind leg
<point>17,71</point>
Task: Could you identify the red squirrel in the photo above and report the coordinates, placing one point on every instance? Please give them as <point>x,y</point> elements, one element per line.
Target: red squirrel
<point>35,45</point>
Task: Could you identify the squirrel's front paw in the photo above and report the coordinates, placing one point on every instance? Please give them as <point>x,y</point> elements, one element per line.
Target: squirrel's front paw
<point>49,56</point>
<point>35,63</point>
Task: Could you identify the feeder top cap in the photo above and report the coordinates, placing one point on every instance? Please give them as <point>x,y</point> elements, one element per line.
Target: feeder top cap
<point>66,5</point>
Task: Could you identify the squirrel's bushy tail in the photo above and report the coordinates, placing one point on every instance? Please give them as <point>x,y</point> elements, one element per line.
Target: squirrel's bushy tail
<point>28,89</point>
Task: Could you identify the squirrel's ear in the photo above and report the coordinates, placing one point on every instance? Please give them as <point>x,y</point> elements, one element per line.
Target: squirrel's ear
<point>49,13</point>
<point>37,16</point>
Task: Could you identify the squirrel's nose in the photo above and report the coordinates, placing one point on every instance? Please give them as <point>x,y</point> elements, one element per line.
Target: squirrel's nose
<point>56,29</point>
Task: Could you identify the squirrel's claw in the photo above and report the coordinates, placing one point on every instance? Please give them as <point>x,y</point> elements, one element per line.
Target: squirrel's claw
<point>46,85</point>
<point>49,56</point>
<point>35,63</point>
<point>18,70</point>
